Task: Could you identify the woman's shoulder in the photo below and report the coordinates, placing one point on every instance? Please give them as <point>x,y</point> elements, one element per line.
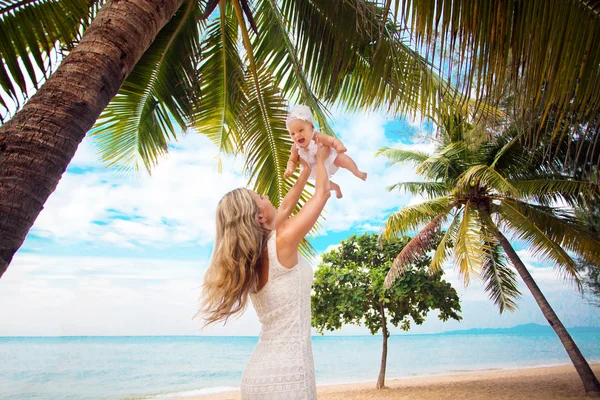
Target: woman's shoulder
<point>285,248</point>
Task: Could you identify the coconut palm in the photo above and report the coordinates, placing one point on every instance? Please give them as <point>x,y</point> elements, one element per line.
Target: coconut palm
<point>482,193</point>
<point>178,65</point>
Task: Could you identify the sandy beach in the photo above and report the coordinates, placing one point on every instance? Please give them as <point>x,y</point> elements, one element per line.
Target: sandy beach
<point>547,383</point>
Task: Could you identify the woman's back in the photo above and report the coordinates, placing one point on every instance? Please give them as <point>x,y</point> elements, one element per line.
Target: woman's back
<point>282,364</point>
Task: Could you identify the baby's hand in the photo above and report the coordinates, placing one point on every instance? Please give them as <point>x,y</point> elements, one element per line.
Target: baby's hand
<point>339,146</point>
<point>322,151</point>
<point>304,163</point>
<point>287,173</point>
<point>341,149</point>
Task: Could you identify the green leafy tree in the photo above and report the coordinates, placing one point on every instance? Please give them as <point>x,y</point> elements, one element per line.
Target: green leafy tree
<point>484,192</point>
<point>349,289</point>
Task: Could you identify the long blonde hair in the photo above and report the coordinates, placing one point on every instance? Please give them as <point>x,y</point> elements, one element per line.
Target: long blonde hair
<point>238,251</point>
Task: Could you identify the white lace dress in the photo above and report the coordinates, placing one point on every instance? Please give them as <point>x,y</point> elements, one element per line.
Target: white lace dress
<point>310,156</point>
<point>282,365</point>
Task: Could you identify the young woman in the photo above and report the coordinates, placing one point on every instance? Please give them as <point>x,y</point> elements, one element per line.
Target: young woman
<point>256,255</point>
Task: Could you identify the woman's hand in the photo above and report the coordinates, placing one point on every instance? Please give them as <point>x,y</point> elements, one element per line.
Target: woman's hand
<point>304,164</point>
<point>322,151</point>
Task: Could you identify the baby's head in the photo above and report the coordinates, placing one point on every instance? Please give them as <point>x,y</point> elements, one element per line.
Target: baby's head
<point>299,123</point>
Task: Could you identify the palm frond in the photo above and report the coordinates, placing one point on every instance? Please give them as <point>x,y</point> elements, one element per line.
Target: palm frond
<point>500,279</point>
<point>485,176</point>
<point>553,189</point>
<point>264,137</point>
<point>469,250</point>
<point>136,126</point>
<point>538,234</point>
<point>543,49</point>
<point>444,247</point>
<point>414,249</point>
<point>505,149</point>
<point>447,164</point>
<point>324,44</point>
<point>398,156</point>
<point>265,142</point>
<point>564,228</point>
<point>429,189</point>
<point>221,80</point>
<point>31,31</point>
<point>411,217</point>
<point>356,55</point>
<point>274,49</point>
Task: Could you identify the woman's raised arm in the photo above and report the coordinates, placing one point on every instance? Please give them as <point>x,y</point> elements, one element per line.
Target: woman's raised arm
<point>295,229</point>
<point>292,196</point>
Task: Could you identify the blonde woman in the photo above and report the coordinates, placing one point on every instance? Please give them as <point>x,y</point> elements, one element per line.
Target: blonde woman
<point>256,255</point>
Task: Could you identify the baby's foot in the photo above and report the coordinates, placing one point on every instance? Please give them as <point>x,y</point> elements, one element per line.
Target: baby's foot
<point>338,192</point>
<point>363,176</point>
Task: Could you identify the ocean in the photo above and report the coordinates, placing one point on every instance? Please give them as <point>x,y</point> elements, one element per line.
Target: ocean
<point>168,366</point>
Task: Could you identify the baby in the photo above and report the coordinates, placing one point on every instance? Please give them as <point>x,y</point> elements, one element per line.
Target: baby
<point>300,125</point>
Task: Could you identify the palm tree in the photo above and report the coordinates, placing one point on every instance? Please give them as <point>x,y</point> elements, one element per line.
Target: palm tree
<point>175,65</point>
<point>484,192</point>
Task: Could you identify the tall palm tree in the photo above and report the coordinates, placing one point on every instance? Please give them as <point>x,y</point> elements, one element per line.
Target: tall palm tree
<point>484,192</point>
<point>176,64</point>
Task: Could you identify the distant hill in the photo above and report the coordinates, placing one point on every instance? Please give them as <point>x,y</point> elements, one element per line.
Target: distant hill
<point>521,329</point>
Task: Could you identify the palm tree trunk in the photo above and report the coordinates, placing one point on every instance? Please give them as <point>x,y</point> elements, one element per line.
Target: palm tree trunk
<point>590,383</point>
<point>38,143</point>
<point>384,331</point>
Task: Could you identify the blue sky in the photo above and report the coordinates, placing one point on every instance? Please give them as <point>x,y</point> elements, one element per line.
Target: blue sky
<point>120,255</point>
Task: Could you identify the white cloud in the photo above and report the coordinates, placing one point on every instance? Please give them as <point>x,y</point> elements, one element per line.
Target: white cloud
<point>175,205</point>
<point>366,205</point>
<point>332,247</point>
<point>106,296</point>
<point>127,296</point>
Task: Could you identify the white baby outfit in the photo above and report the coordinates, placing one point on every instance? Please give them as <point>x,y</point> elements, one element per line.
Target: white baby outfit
<point>310,156</point>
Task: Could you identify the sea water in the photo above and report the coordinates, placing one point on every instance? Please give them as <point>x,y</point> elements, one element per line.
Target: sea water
<point>168,366</point>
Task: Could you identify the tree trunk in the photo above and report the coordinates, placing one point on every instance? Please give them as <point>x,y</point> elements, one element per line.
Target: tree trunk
<point>590,383</point>
<point>385,333</point>
<point>38,143</point>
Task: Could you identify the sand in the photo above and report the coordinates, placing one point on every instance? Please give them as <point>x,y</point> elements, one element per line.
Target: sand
<point>547,383</point>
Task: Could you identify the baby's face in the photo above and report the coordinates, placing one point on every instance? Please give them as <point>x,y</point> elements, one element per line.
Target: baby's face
<point>301,132</point>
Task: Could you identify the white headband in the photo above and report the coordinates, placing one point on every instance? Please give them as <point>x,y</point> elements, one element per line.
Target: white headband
<point>299,111</point>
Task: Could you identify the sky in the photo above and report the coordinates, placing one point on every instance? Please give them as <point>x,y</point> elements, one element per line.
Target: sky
<point>114,254</point>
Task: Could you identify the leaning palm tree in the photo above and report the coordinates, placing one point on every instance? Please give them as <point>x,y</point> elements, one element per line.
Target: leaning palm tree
<point>483,192</point>
<point>148,69</point>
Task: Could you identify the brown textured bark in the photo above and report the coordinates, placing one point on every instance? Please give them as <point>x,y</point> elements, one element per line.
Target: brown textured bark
<point>38,143</point>
<point>385,334</point>
<point>590,382</point>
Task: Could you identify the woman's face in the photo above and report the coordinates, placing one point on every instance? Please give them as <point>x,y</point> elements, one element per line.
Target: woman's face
<point>266,210</point>
<point>301,132</point>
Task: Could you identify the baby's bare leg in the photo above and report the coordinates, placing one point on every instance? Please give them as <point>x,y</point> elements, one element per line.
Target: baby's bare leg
<point>344,161</point>
<point>336,188</point>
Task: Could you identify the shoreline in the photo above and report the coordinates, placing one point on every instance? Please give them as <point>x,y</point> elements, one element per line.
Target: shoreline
<point>536,382</point>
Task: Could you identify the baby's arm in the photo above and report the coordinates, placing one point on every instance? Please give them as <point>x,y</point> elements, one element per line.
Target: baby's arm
<point>292,162</point>
<point>331,141</point>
